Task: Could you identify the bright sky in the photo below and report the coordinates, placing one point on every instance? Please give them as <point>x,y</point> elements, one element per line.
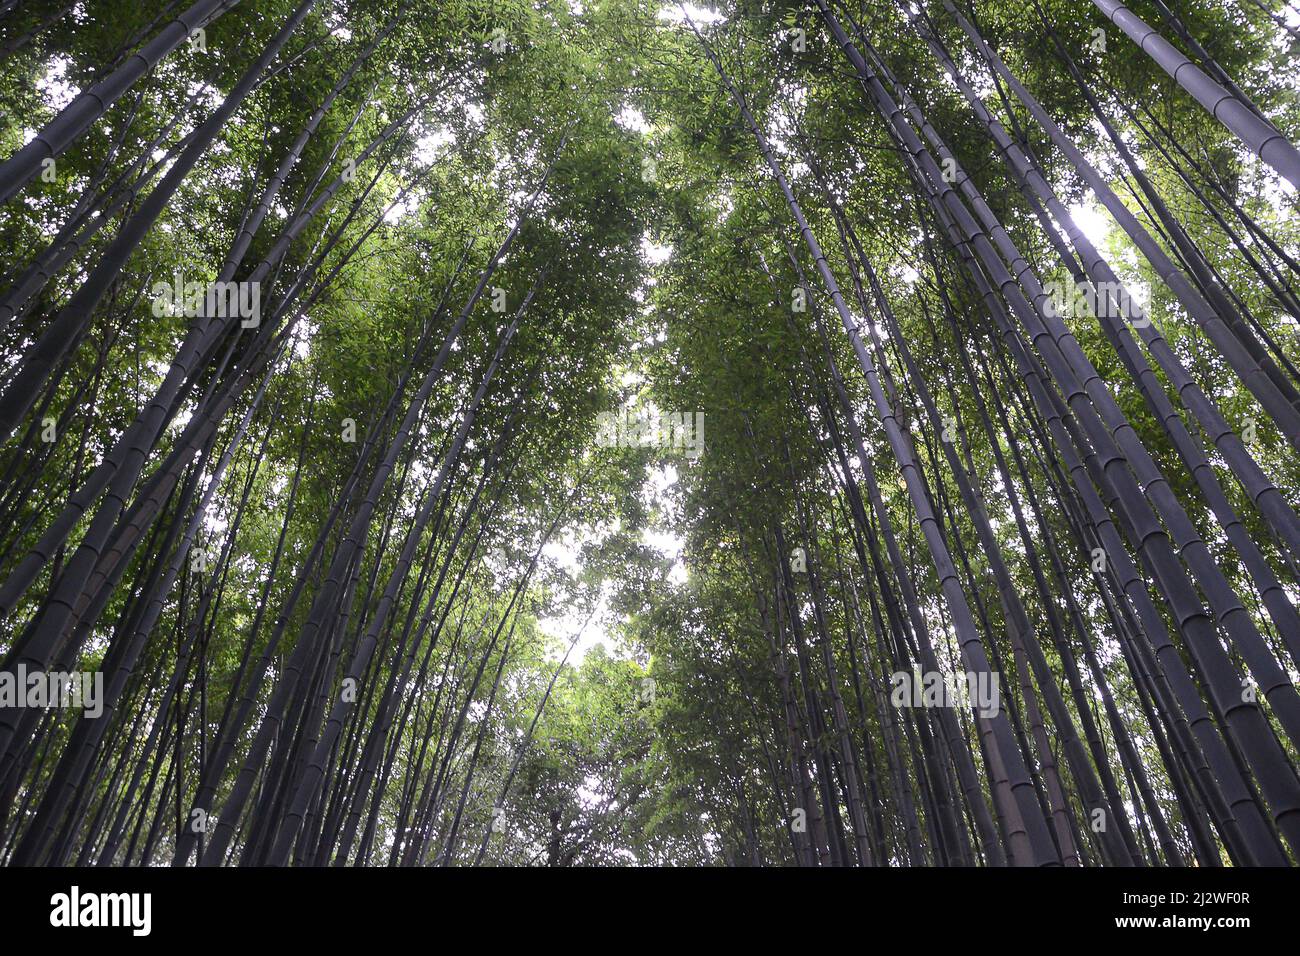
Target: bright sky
<point>564,550</point>
<point>673,13</point>
<point>1093,221</point>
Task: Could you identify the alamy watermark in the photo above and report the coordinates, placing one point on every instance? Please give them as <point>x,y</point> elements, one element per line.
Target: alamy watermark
<point>221,300</point>
<point>23,688</point>
<point>1106,300</point>
<point>76,908</point>
<point>627,428</point>
<point>975,689</point>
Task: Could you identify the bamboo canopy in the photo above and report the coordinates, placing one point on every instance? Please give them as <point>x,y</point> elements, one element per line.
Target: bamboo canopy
<point>606,432</point>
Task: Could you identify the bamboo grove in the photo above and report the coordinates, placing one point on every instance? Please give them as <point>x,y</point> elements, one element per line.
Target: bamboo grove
<point>314,319</point>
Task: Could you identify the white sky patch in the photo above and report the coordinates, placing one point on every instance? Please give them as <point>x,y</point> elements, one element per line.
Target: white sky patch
<point>429,146</point>
<point>55,88</point>
<point>701,15</point>
<point>653,253</point>
<point>302,341</point>
<point>661,479</point>
<point>215,525</point>
<point>563,550</point>
<point>589,791</point>
<point>180,421</point>
<point>338,26</point>
<point>722,202</point>
<point>667,543</point>
<point>204,95</point>
<point>474,112</point>
<point>406,207</point>
<point>670,546</point>
<point>632,118</point>
<point>574,619</point>
<point>1092,221</point>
